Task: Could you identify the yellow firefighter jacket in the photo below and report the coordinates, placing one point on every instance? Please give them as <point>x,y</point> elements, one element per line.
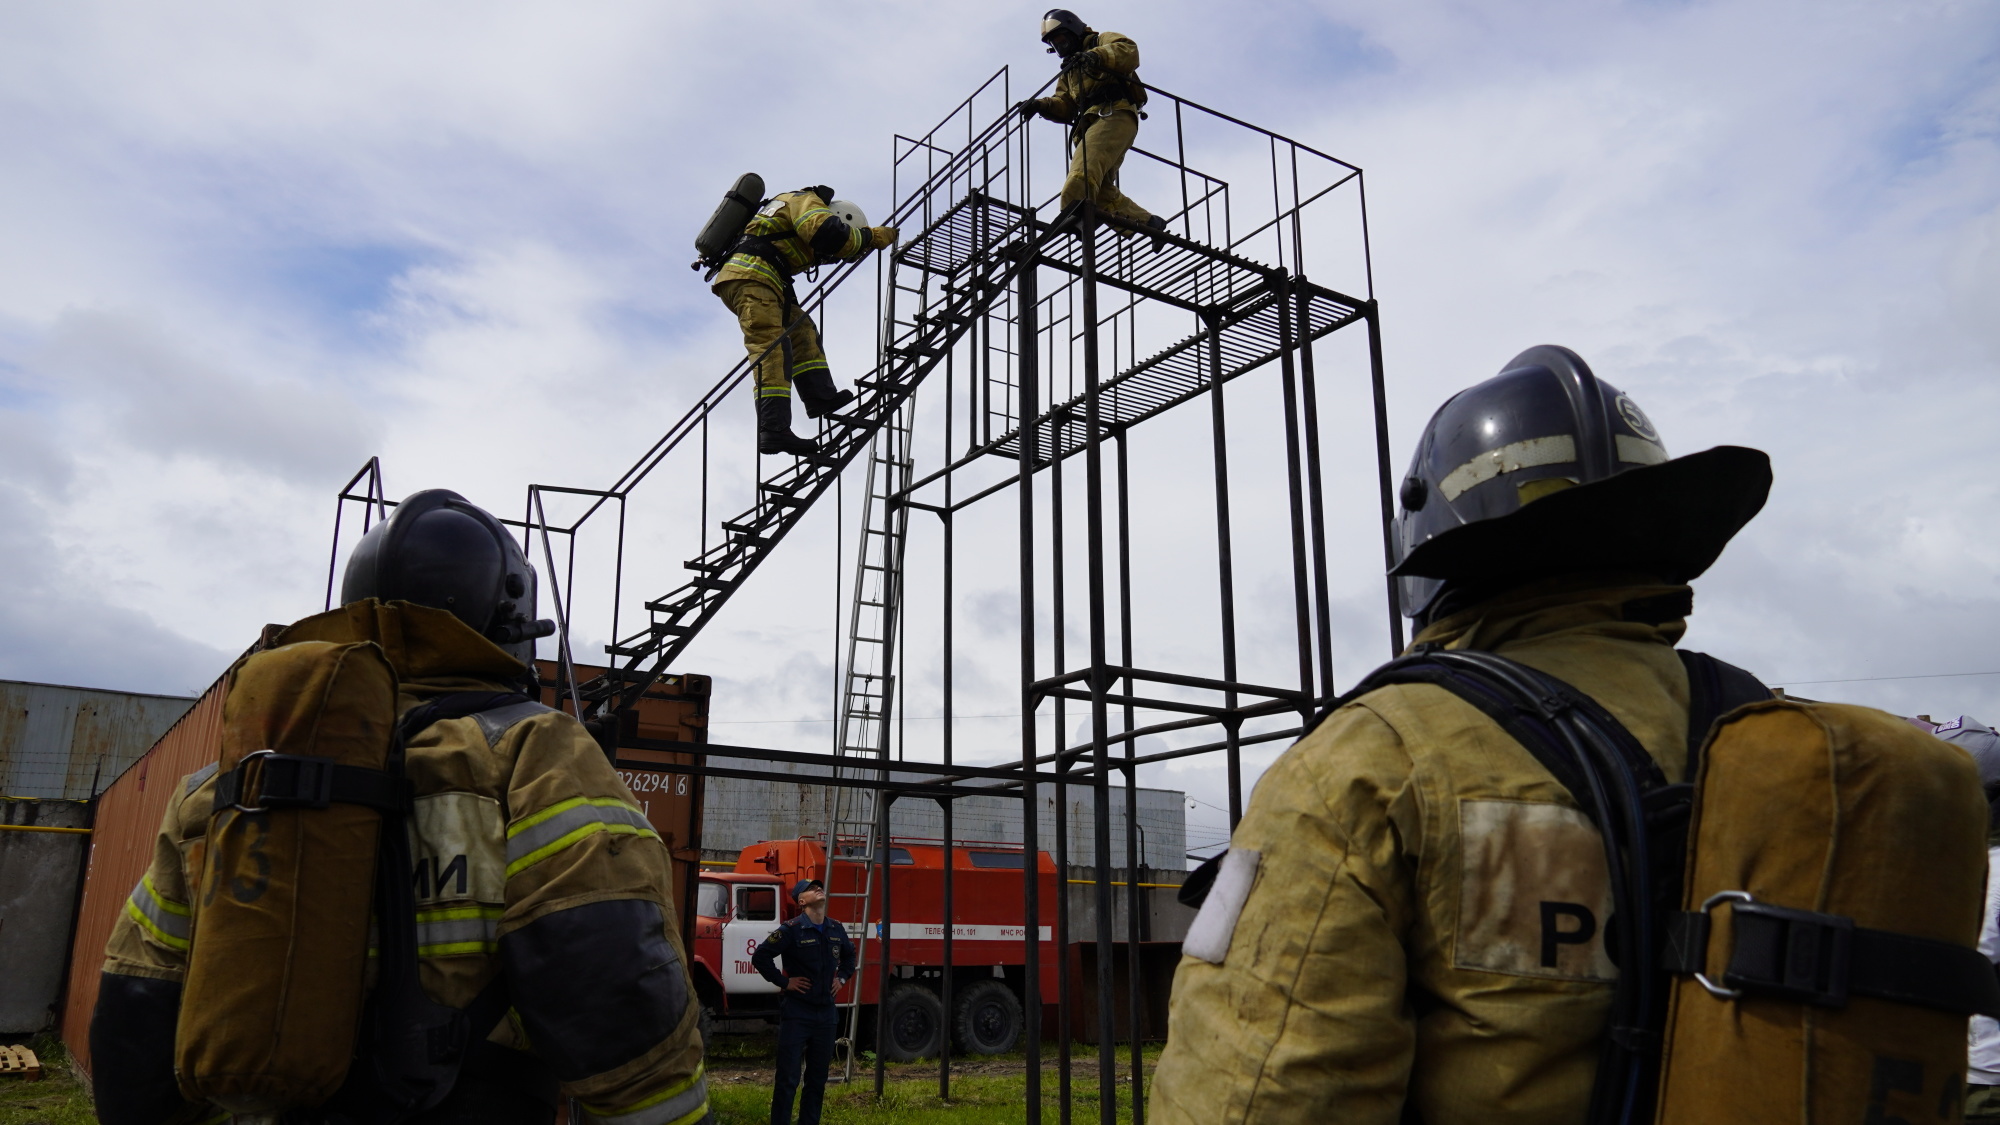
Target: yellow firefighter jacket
<point>1107,87</point>
<point>524,837</point>
<point>1426,920</point>
<point>796,231</point>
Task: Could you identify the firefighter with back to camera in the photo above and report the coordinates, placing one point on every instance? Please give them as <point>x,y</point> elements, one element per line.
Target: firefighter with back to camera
<point>811,958</point>
<point>1099,96</point>
<point>1411,921</point>
<point>542,894</point>
<point>793,232</point>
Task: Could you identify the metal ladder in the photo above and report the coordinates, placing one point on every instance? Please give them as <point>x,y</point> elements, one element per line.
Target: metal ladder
<point>870,685</point>
<point>870,682</point>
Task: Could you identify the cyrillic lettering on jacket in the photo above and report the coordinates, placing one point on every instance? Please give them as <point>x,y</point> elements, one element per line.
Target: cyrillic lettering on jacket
<point>1534,897</point>
<point>459,840</point>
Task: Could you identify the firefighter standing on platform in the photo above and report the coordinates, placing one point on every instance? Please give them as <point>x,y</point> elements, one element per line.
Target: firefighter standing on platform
<point>817,962</point>
<point>1099,96</point>
<point>797,230</point>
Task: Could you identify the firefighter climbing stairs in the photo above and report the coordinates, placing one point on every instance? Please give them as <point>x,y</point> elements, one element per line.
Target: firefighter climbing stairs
<point>942,282</point>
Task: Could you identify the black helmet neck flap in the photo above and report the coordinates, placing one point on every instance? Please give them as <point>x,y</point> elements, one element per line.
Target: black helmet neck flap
<point>441,550</point>
<point>1546,469</point>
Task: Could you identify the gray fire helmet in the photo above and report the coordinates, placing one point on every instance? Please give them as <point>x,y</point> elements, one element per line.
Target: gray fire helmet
<point>441,550</point>
<point>1545,469</point>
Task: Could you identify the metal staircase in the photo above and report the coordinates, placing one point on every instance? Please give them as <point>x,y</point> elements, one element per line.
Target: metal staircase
<point>948,304</point>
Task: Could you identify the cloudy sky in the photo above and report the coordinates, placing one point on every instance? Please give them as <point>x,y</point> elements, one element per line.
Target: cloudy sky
<point>248,247</point>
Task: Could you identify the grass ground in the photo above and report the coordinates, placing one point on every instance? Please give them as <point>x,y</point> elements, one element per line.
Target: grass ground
<point>58,1099</point>
<point>989,1091</point>
<point>986,1091</point>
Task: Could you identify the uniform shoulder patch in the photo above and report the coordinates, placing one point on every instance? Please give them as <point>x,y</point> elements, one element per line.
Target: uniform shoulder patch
<point>1535,895</point>
<point>777,934</point>
<point>1209,934</point>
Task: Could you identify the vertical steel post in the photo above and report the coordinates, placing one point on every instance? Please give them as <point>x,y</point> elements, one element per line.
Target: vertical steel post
<point>1100,719</point>
<point>1058,640</point>
<point>945,803</point>
<point>883,1032</point>
<point>1134,1022</point>
<point>1384,473</point>
<point>1301,583</point>
<point>1315,495</point>
<point>1031,978</point>
<point>1225,564</point>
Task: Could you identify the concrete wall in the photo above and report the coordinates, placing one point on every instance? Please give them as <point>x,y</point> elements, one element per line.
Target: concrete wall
<point>38,876</point>
<point>738,812</point>
<point>55,740</point>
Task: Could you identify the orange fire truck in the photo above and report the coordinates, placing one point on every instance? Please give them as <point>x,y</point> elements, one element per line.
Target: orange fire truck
<point>736,910</point>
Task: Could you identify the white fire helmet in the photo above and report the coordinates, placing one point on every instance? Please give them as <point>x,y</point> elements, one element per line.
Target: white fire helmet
<point>850,213</point>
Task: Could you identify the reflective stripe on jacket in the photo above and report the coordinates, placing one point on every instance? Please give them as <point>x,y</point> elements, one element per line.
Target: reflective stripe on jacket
<point>532,860</point>
<point>798,231</point>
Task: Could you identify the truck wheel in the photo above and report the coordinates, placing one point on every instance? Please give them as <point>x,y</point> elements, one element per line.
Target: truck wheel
<point>989,1019</point>
<point>912,1018</point>
<point>705,1024</point>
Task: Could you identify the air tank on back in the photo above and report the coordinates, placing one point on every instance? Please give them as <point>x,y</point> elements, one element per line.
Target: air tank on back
<point>723,228</point>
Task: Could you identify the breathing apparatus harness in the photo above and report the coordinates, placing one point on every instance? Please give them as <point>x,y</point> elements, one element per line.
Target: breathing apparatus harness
<point>410,1046</point>
<point>765,246</point>
<point>1644,822</point>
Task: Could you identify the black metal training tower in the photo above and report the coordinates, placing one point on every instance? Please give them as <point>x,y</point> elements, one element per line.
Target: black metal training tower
<point>1058,333</point>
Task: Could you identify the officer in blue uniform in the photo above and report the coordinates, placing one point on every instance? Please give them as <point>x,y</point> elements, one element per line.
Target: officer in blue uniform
<point>818,959</point>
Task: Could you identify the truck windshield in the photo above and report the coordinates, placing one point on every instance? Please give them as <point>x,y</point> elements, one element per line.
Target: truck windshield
<point>711,900</point>
<point>757,904</point>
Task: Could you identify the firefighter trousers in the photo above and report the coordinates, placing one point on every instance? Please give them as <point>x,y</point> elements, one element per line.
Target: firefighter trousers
<point>1093,166</point>
<point>805,1037</point>
<point>763,314</point>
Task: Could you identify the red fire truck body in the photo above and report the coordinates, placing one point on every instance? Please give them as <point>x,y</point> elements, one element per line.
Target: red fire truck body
<point>737,910</point>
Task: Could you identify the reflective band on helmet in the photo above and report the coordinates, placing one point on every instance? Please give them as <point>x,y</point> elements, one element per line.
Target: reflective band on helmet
<point>168,921</point>
<point>455,930</point>
<point>1559,449</point>
<point>683,1102</point>
<point>1639,451</point>
<point>537,837</point>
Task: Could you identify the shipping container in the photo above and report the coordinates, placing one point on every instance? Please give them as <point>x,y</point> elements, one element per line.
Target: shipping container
<point>129,811</point>
<point>121,848</point>
<point>61,742</point>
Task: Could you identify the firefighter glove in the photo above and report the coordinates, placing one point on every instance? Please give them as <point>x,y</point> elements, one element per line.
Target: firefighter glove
<point>881,238</point>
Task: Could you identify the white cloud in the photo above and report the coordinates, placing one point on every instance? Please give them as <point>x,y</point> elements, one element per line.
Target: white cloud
<point>254,246</point>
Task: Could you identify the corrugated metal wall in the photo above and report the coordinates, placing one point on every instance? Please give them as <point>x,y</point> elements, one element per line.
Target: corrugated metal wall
<point>54,740</point>
<point>41,858</point>
<point>128,819</point>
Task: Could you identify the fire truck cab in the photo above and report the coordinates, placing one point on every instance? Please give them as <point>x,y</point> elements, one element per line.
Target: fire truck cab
<point>736,910</point>
<point>734,913</point>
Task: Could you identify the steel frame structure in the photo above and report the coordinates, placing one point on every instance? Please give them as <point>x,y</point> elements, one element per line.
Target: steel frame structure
<point>1006,292</point>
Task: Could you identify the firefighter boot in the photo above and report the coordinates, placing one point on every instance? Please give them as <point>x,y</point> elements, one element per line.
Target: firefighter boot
<point>815,389</point>
<point>774,429</point>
